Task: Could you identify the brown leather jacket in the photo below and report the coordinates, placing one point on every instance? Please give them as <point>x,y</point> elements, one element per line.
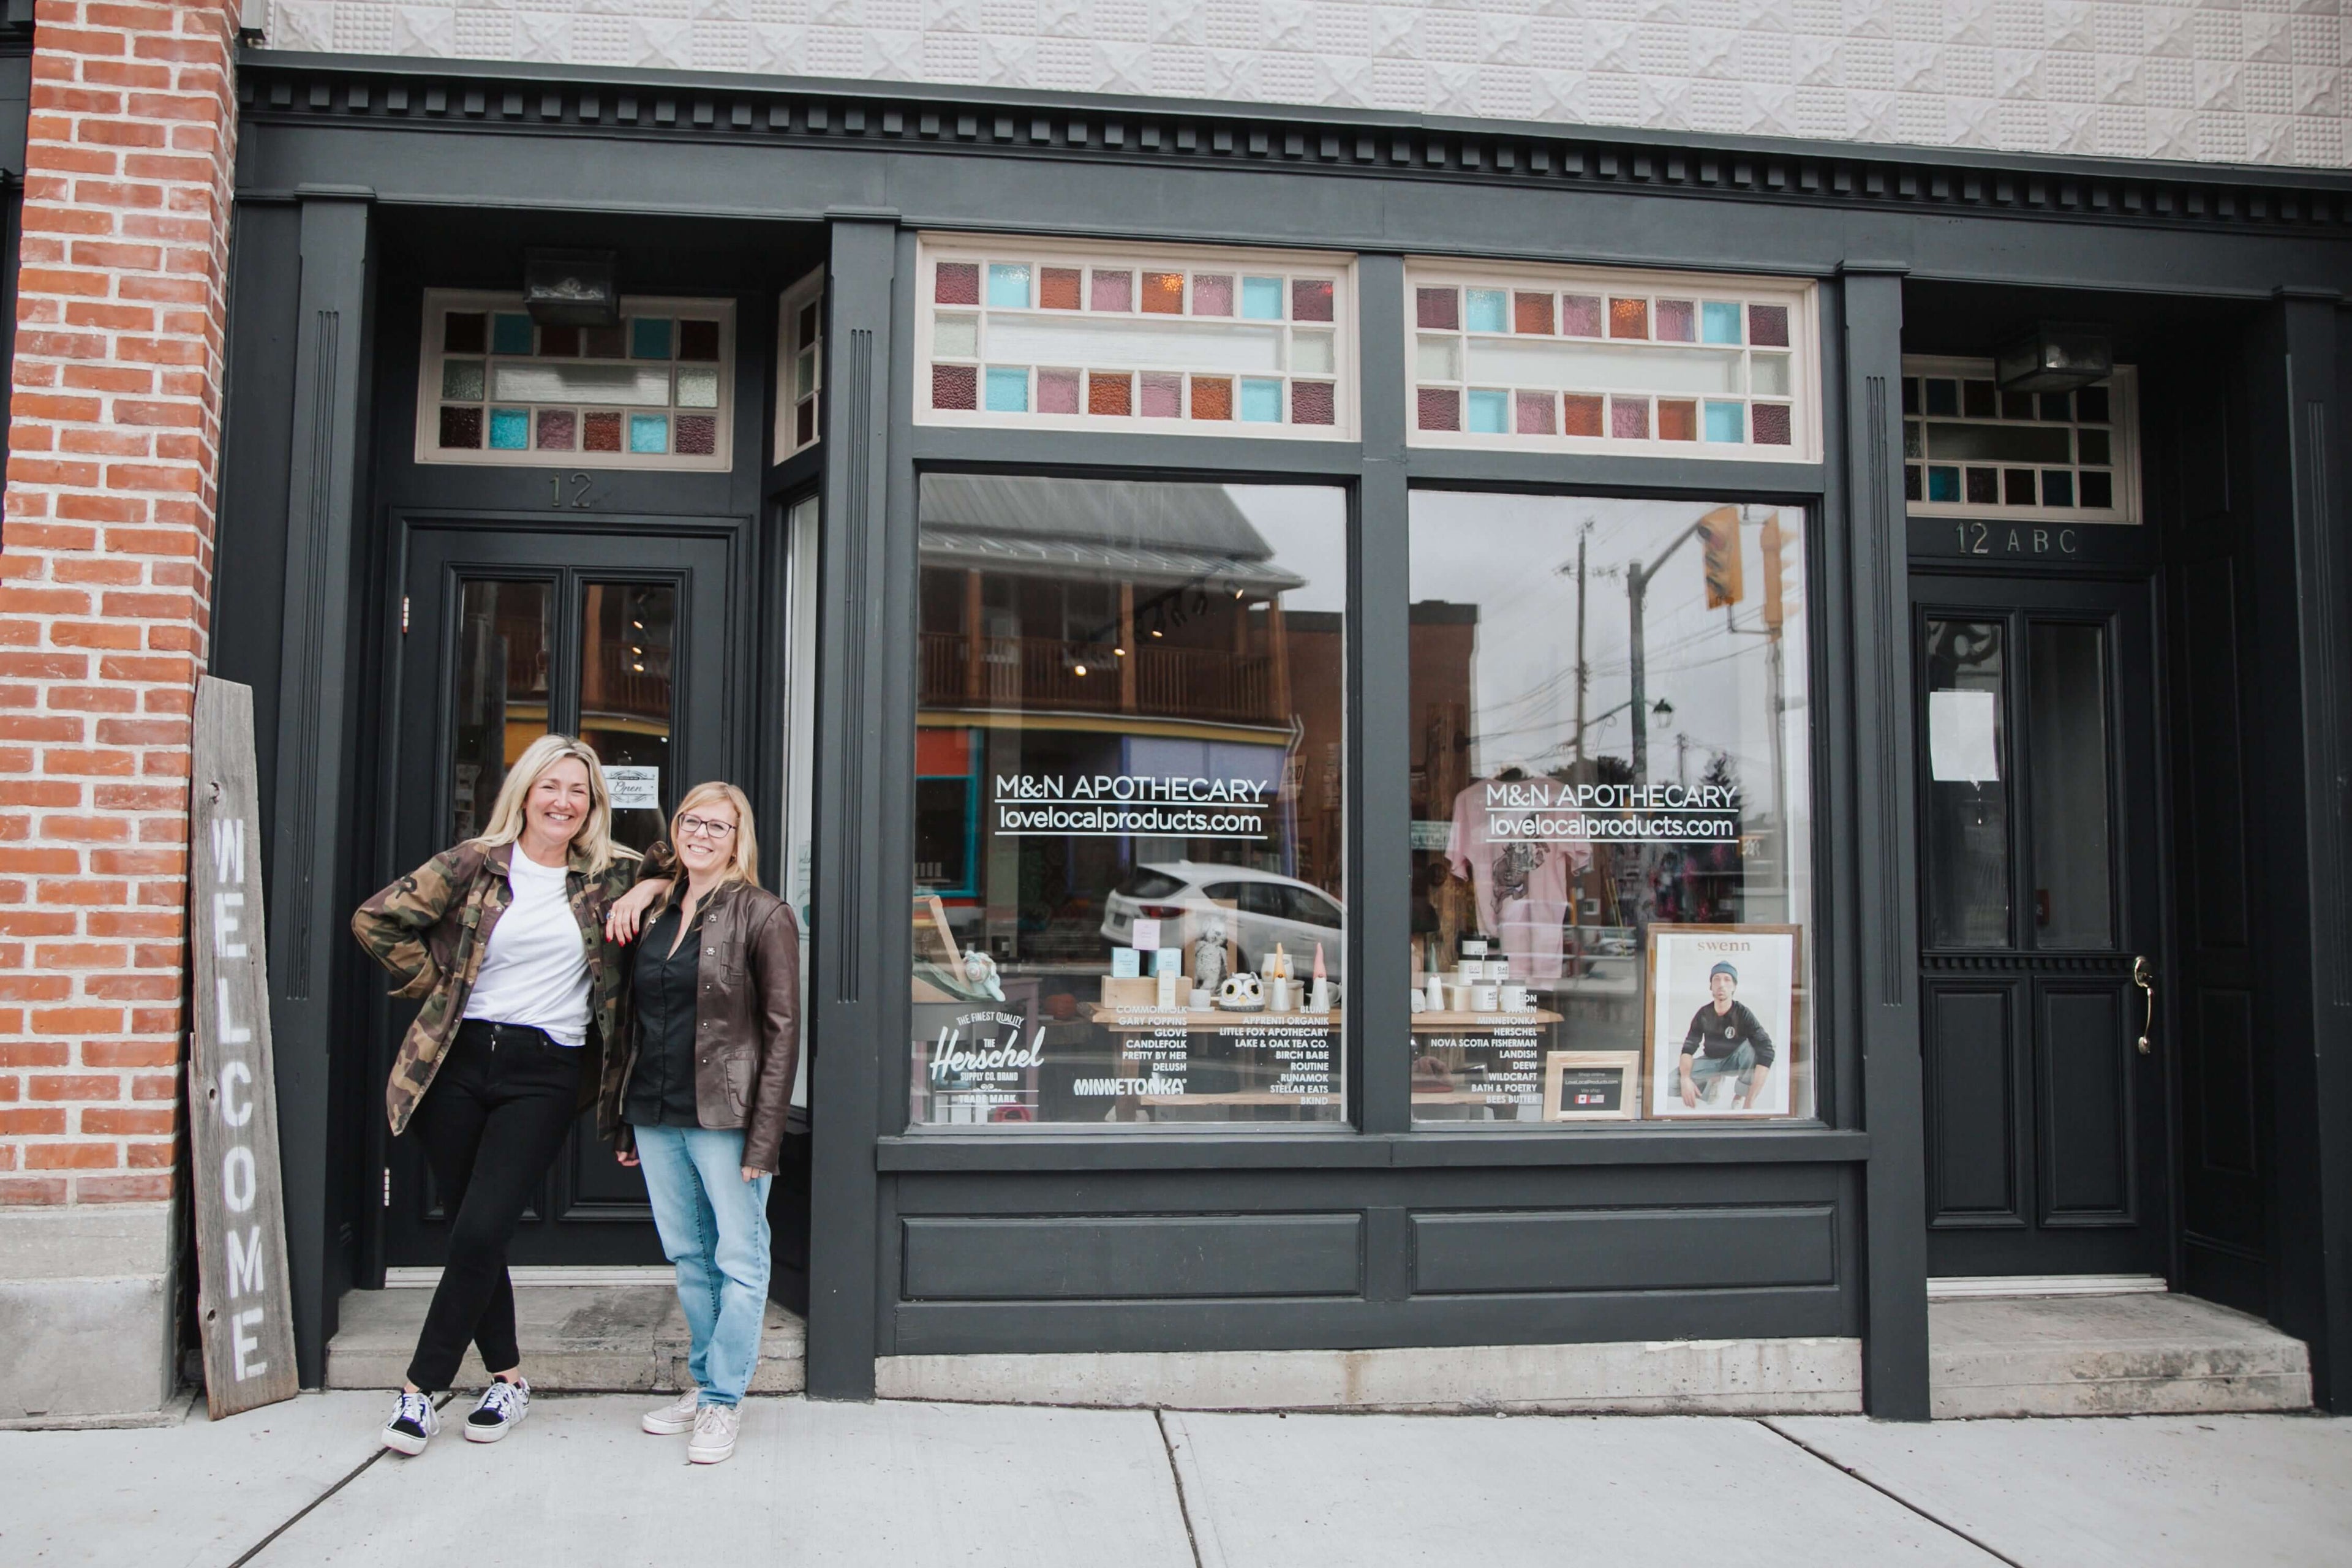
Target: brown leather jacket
<point>747,1024</point>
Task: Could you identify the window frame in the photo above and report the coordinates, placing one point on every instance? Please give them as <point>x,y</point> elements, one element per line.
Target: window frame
<point>2123,427</point>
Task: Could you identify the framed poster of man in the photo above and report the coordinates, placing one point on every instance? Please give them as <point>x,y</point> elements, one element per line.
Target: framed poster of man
<point>1592,1085</point>
<point>1721,1027</point>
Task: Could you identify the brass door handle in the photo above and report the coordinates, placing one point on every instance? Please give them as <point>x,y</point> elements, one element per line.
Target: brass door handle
<point>2144,976</point>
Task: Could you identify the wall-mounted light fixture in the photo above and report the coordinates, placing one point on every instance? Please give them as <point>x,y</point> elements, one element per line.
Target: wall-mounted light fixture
<point>2057,356</point>
<point>571,288</point>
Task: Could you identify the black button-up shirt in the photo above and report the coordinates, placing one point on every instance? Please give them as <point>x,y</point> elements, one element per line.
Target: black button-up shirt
<point>661,1089</point>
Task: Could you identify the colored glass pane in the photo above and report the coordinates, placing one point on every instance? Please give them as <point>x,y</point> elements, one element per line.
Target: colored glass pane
<point>464,332</point>
<point>1910,395</point>
<point>1163,293</point>
<point>1489,413</point>
<point>648,433</point>
<point>1262,299</point>
<point>1437,308</point>
<point>1767,326</point>
<point>1771,424</point>
<point>698,340</point>
<point>1629,318</point>
<point>1979,399</point>
<point>1535,413</point>
<point>1726,422</point>
<point>1580,416</point>
<point>602,342</point>
<point>956,283</point>
<point>1057,391</point>
<point>2057,488</point>
<point>1161,396</point>
<point>1213,397</point>
<point>1114,290</point>
<point>2093,446</point>
<point>558,429</point>
<point>1438,408</point>
<point>1313,403</point>
<point>559,342</point>
<point>1110,394</point>
<point>1008,391</point>
<point>805,422</point>
<point>1311,352</point>
<point>511,334</point>
<point>954,386</point>
<point>1911,489</point>
<point>461,379</point>
<point>1718,322</point>
<point>805,328</point>
<point>1677,419</point>
<point>1769,374</point>
<point>1983,487</point>
<point>1943,399</point>
<point>2057,406</point>
<point>1629,418</point>
<point>2098,489</point>
<point>1008,285</point>
<point>2091,405</point>
<point>1261,402</point>
<point>1488,309</point>
<point>2017,406</point>
<point>1531,313</point>
<point>1212,294</point>
<point>957,337</point>
<point>461,427</point>
<point>509,429</point>
<point>1310,298</point>
<point>1943,483</point>
<point>1677,321</point>
<point>1580,315</point>
<point>2018,487</point>
<point>601,432</point>
<point>1057,288</point>
<point>649,337</point>
<point>698,435</point>
<point>698,387</point>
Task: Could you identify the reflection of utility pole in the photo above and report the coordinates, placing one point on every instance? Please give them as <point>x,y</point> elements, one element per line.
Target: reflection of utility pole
<point>1584,674</point>
<point>1637,587</point>
<point>1682,758</point>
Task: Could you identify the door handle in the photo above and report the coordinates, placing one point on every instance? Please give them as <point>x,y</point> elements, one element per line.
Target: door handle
<point>2144,976</point>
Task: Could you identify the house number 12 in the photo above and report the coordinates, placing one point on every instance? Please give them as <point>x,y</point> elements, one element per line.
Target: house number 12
<point>580,497</point>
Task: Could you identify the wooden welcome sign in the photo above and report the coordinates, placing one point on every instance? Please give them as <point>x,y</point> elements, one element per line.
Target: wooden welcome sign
<point>243,1299</point>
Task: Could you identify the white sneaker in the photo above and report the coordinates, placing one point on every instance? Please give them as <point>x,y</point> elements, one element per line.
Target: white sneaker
<point>503,1406</point>
<point>414,1422</point>
<point>675,1416</point>
<point>715,1426</point>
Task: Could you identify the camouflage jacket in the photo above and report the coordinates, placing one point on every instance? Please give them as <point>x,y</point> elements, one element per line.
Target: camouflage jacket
<point>431,930</point>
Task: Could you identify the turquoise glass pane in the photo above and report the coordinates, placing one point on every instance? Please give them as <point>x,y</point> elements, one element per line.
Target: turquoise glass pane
<point>1725,422</point>
<point>1008,391</point>
<point>1262,402</point>
<point>649,337</point>
<point>1008,285</point>
<point>648,432</point>
<point>1262,299</point>
<point>509,334</point>
<point>1718,322</point>
<point>1489,413</point>
<point>1942,484</point>
<point>509,429</point>
<point>1487,312</point>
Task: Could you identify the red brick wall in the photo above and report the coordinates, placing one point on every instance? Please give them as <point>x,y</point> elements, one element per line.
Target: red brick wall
<point>105,580</point>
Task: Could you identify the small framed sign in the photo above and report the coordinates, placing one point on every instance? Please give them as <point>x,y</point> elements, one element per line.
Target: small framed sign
<point>1592,1085</point>
<point>1721,1020</point>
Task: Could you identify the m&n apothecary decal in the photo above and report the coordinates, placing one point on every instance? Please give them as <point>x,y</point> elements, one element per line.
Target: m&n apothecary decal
<point>651,391</point>
<point>1162,338</point>
<point>1656,363</point>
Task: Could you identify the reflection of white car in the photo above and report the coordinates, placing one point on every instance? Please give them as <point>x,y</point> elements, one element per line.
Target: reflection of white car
<point>1259,910</point>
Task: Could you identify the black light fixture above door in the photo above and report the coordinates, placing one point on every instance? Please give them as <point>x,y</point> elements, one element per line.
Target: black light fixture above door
<point>571,288</point>
<point>2057,356</point>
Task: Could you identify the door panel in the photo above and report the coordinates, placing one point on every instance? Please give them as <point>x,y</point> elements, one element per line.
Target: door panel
<point>1973,1177</point>
<point>621,639</point>
<point>2085,1096</point>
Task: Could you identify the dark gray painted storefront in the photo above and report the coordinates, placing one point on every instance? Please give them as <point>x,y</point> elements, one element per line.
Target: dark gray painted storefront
<point>1379,1235</point>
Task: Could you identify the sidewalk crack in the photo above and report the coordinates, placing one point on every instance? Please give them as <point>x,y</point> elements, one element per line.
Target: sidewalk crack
<point>258,1547</point>
<point>1176,1473</point>
<point>1885,1492</point>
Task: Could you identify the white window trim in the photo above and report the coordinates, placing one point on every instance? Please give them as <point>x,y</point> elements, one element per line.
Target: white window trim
<point>1802,296</point>
<point>788,350</point>
<point>1340,269</point>
<point>2123,408</point>
<point>430,354</point>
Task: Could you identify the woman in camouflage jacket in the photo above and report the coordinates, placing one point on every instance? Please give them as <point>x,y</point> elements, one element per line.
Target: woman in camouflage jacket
<point>503,939</point>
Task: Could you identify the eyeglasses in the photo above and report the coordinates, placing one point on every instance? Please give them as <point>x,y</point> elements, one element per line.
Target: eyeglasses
<point>703,827</point>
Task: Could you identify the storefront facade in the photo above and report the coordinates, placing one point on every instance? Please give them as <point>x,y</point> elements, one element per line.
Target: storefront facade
<point>1517,745</point>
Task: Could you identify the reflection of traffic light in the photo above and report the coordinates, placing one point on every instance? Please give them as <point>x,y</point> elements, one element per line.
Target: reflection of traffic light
<point>1719,533</point>
<point>1770,546</point>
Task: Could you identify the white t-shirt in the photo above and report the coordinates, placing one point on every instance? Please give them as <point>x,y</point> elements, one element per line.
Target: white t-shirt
<point>536,970</point>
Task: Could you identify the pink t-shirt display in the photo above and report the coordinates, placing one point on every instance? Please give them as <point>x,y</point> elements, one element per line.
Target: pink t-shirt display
<point>1521,885</point>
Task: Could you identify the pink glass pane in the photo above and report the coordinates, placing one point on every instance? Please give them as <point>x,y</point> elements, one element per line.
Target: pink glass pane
<point>558,429</point>
<point>1057,391</point>
<point>1212,294</point>
<point>1535,411</point>
<point>958,283</point>
<point>1677,321</point>
<point>1310,298</point>
<point>1629,418</point>
<point>1580,416</point>
<point>1440,408</point>
<point>955,387</point>
<point>1164,397</point>
<point>698,435</point>
<point>1114,290</point>
<point>1311,403</point>
<point>1771,424</point>
<point>1057,288</point>
<point>1768,327</point>
<point>1438,308</point>
<point>1579,316</point>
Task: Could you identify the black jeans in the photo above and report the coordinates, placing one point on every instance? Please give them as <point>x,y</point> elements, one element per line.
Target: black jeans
<point>492,1124</point>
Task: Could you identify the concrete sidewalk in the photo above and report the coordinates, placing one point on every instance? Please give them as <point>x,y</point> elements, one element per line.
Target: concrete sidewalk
<point>910,1486</point>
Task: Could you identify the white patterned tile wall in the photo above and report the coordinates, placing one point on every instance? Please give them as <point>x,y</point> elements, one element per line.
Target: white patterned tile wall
<point>2230,81</point>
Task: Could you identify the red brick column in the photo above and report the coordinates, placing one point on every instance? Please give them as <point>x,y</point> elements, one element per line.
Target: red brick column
<point>105,584</point>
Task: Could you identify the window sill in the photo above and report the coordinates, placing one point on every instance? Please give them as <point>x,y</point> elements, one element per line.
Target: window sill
<point>1339,1148</point>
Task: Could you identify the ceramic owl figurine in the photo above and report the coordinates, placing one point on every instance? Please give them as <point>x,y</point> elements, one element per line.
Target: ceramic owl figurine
<point>980,971</point>
<point>1209,957</point>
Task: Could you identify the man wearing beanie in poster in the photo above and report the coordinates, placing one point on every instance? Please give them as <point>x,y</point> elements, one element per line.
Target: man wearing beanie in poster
<point>1725,1040</point>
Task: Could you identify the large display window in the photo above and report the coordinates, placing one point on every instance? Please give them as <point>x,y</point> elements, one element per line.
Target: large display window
<point>1129,905</point>
<point>1612,836</point>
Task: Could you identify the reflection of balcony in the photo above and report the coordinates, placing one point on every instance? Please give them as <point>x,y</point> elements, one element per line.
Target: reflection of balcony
<point>1031,673</point>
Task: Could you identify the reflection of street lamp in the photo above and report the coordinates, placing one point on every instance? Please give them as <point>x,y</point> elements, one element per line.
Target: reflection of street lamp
<point>1663,714</point>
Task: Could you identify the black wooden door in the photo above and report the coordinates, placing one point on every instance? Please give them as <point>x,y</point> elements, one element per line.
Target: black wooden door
<point>2041,915</point>
<point>622,641</point>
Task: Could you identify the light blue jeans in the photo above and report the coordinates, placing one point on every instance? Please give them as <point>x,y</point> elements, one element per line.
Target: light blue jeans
<point>714,1228</point>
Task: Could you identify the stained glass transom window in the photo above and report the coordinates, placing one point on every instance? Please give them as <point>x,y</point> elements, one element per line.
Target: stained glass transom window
<point>1170,339</point>
<point>1582,360</point>
<point>652,390</point>
<point>1972,449</point>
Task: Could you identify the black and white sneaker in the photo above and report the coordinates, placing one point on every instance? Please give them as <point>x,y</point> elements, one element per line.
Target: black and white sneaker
<point>503,1406</point>
<point>414,1422</point>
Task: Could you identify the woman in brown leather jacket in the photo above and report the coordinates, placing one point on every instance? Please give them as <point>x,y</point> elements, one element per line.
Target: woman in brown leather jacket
<point>700,1093</point>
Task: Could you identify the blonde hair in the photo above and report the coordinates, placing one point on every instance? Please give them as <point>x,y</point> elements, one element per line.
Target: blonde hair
<point>744,842</point>
<point>593,837</point>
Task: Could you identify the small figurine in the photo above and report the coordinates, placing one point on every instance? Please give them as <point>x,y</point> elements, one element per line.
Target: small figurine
<point>1209,957</point>
<point>980,973</point>
<point>1242,993</point>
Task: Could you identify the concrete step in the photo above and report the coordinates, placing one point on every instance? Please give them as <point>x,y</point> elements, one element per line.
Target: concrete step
<point>2108,1355</point>
<point>575,1338</point>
